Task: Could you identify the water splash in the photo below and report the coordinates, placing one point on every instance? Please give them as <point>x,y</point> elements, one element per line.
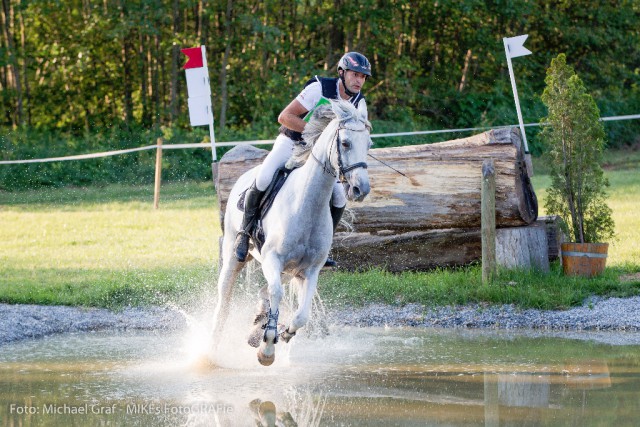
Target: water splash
<point>198,342</point>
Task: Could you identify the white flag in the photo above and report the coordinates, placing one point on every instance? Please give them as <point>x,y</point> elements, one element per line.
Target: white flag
<point>198,82</point>
<point>200,110</point>
<point>515,46</point>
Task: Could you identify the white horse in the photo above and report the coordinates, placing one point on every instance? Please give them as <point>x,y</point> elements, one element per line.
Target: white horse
<point>298,228</point>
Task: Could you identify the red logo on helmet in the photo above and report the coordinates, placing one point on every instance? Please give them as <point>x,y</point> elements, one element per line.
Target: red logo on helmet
<point>353,61</point>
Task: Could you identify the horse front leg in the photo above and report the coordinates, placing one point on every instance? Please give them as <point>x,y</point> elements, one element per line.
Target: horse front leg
<point>305,300</point>
<point>272,269</point>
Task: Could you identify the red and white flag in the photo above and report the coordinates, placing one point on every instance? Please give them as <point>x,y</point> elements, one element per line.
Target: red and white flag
<point>197,73</point>
<point>198,86</point>
<point>194,57</point>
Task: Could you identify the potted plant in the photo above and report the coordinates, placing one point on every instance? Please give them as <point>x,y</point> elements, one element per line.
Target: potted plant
<point>575,139</point>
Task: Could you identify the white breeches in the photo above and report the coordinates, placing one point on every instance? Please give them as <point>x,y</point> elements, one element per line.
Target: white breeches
<point>277,157</point>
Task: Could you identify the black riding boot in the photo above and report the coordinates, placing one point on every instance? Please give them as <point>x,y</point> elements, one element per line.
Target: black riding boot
<point>336,214</point>
<point>252,199</point>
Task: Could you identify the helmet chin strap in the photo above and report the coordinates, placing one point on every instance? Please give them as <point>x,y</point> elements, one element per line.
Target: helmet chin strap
<point>344,85</point>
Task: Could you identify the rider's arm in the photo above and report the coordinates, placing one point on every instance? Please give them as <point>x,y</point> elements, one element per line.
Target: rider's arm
<point>290,116</point>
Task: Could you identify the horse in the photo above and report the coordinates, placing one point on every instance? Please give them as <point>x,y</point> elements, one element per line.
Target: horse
<point>298,228</point>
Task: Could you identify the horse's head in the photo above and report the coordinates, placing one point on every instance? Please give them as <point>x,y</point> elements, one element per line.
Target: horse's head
<point>344,131</point>
<point>352,143</point>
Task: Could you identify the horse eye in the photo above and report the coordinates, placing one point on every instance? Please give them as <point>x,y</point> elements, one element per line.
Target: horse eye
<point>346,144</point>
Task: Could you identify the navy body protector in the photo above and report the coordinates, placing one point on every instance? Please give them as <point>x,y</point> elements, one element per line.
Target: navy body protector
<point>329,91</point>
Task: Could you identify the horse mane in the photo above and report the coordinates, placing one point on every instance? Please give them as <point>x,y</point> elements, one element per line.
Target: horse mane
<point>322,116</point>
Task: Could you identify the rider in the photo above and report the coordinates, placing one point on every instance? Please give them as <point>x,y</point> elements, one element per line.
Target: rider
<point>353,70</point>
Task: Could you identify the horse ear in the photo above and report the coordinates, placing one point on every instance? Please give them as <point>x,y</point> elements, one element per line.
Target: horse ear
<point>362,109</point>
<point>338,107</point>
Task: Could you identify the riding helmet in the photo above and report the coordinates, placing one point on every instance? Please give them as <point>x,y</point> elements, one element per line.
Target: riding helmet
<point>355,61</point>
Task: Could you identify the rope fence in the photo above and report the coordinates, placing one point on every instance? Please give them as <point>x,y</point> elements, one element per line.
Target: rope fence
<point>270,141</point>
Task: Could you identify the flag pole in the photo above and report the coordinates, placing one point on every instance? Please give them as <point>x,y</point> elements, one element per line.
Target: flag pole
<point>212,136</point>
<point>527,155</point>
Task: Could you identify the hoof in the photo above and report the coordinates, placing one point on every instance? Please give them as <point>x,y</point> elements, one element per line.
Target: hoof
<point>286,335</point>
<point>256,336</point>
<point>266,360</point>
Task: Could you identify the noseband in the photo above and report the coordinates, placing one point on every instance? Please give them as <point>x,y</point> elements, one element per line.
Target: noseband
<point>342,170</point>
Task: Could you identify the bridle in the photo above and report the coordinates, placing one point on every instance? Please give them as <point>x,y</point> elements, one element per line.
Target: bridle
<point>342,170</point>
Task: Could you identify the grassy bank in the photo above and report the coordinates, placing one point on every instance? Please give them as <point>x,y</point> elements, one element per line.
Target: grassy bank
<point>108,247</point>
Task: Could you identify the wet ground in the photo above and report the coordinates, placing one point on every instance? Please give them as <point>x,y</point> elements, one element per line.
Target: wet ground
<point>353,376</point>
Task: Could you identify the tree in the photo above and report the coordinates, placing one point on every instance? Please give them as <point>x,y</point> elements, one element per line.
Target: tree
<point>6,13</point>
<point>575,138</point>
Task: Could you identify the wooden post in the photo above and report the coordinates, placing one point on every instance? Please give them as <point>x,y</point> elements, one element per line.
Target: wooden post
<point>488,221</point>
<point>214,174</point>
<point>156,192</point>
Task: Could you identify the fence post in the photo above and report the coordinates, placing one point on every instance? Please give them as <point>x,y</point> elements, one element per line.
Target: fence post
<point>488,221</point>
<point>156,192</point>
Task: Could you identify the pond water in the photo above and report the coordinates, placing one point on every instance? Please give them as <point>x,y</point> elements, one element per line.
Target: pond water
<point>354,376</point>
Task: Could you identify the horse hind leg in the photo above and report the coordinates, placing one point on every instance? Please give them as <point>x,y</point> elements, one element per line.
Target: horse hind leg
<point>228,275</point>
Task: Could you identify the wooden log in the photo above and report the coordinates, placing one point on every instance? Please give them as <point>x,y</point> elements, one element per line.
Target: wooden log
<point>422,249</point>
<point>442,190</point>
<point>523,247</point>
<point>407,251</point>
<point>488,201</point>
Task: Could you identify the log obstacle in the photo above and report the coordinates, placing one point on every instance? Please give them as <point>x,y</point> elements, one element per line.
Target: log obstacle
<point>443,185</point>
<point>522,247</point>
<point>429,217</point>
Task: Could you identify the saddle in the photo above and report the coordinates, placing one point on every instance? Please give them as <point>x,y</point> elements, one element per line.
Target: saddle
<point>257,232</point>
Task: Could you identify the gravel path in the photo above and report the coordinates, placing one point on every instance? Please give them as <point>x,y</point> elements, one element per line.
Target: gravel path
<point>19,322</point>
<point>597,314</point>
<point>612,320</point>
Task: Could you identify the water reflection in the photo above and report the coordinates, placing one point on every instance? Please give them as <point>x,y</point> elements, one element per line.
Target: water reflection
<point>370,377</point>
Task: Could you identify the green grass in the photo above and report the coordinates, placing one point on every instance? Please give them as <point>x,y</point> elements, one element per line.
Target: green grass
<point>461,286</point>
<point>107,246</point>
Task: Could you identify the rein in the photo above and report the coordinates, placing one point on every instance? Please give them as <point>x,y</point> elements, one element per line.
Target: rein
<point>341,169</point>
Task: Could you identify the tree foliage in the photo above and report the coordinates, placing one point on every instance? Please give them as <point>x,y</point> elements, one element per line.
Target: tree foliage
<point>87,66</point>
<point>575,137</point>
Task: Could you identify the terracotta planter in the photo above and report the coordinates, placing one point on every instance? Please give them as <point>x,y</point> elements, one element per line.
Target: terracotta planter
<point>584,259</point>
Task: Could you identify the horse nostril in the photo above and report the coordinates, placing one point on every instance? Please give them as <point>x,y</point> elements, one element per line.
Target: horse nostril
<point>356,192</point>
